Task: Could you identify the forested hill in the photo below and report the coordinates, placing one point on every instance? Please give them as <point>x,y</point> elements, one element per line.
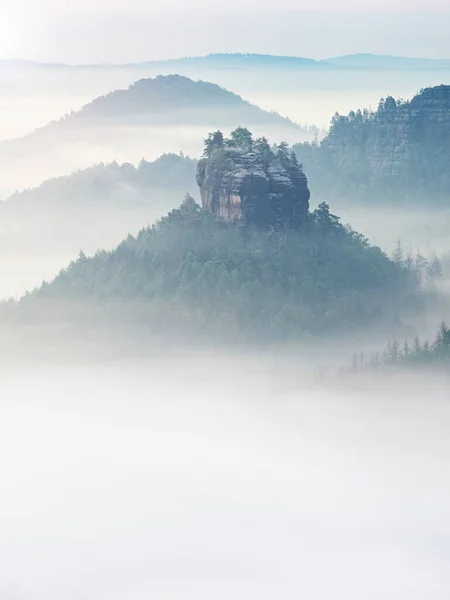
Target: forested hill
<point>191,273</point>
<point>111,184</point>
<point>172,99</point>
<point>399,151</point>
<point>90,209</point>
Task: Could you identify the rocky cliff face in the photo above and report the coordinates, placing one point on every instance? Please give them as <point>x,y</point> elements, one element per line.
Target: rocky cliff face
<point>244,185</point>
<point>403,144</point>
<point>413,136</point>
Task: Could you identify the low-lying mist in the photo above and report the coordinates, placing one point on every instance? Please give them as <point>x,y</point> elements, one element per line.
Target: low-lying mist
<point>36,242</point>
<point>30,161</point>
<point>306,96</point>
<point>421,229</point>
<point>199,474</point>
<point>142,459</point>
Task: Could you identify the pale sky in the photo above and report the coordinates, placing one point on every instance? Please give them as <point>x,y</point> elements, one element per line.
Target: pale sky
<point>87,31</point>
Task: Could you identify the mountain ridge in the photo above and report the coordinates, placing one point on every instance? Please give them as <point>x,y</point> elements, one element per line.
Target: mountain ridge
<point>204,102</point>
<point>354,60</point>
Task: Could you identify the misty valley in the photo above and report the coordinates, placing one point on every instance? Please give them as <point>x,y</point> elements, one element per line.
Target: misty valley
<point>225,329</point>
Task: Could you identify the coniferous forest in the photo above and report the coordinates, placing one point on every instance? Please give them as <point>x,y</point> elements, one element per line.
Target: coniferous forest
<point>199,274</point>
<point>397,152</point>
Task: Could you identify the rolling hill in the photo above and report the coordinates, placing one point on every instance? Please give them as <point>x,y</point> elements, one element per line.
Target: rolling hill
<point>109,184</point>
<point>44,227</point>
<point>171,100</point>
<point>151,117</point>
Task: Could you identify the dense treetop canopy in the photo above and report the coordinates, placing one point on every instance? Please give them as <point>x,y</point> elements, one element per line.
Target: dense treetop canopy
<point>200,274</point>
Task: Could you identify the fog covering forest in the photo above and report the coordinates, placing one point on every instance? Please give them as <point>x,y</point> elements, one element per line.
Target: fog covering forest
<point>194,271</point>
<point>195,408</point>
<point>172,111</point>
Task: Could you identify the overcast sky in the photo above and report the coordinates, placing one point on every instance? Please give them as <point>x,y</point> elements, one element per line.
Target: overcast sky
<point>115,31</point>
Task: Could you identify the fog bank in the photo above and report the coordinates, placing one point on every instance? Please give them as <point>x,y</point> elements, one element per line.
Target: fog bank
<point>185,477</point>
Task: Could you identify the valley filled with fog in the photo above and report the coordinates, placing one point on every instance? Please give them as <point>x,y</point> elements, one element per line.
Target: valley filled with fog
<point>307,96</point>
<point>204,394</point>
<point>231,479</point>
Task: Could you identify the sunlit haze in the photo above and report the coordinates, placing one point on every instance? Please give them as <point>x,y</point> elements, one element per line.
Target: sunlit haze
<point>88,32</point>
<point>224,300</point>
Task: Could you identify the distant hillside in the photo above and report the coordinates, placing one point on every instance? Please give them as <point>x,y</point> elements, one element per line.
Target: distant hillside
<point>249,61</point>
<point>399,151</point>
<point>172,99</point>
<point>151,117</point>
<point>239,60</point>
<point>43,228</point>
<point>110,185</point>
<point>380,61</point>
<point>268,61</point>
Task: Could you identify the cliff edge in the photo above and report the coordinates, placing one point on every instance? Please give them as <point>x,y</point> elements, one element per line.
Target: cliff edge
<point>247,181</point>
<point>404,144</point>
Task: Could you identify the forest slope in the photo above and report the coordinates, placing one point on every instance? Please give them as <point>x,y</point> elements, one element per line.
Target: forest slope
<point>114,184</point>
<point>43,228</point>
<point>192,274</point>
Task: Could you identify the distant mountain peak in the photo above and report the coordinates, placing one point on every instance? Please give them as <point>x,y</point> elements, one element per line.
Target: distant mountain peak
<point>168,95</point>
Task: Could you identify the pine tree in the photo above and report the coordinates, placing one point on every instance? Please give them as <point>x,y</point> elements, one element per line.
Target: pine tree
<point>241,138</point>
<point>442,342</point>
<point>398,256</point>
<point>406,350</point>
<point>214,141</point>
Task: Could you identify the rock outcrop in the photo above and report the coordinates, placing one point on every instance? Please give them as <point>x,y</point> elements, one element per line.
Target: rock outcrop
<point>413,136</point>
<point>404,144</point>
<point>251,186</point>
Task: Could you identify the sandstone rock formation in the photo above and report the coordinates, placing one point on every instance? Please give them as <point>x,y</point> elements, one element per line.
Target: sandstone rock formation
<point>254,184</point>
<point>404,144</point>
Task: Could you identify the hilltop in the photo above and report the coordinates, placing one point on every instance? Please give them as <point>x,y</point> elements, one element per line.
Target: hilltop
<point>171,99</point>
<point>243,180</point>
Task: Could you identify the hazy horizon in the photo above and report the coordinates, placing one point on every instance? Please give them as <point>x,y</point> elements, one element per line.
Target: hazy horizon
<point>90,33</point>
<point>211,386</point>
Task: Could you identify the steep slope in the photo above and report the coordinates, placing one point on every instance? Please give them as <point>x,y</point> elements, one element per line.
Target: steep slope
<point>399,151</point>
<point>243,180</point>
